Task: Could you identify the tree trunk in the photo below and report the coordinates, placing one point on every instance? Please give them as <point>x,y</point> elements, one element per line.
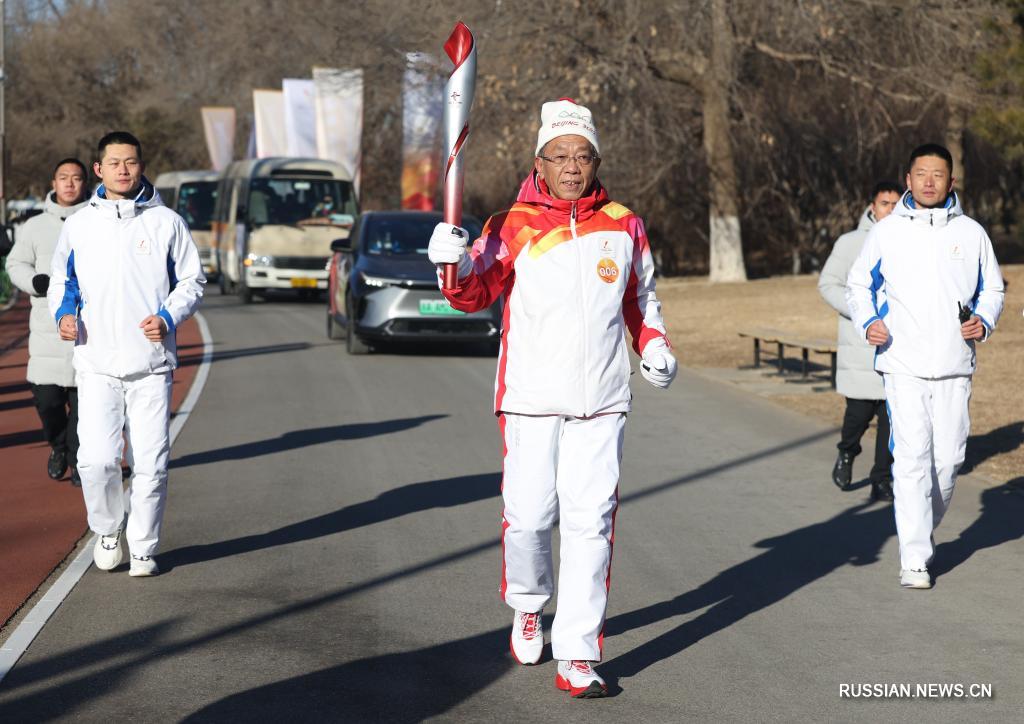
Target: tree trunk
<point>955,126</point>
<point>726,257</point>
<point>382,136</point>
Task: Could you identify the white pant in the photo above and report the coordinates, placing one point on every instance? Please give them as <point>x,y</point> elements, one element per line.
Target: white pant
<point>929,424</point>
<point>140,404</point>
<point>565,469</point>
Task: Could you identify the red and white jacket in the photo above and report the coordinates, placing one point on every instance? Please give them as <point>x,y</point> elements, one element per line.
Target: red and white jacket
<point>574,277</point>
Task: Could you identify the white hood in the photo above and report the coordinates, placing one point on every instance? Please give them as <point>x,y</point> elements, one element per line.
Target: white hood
<point>938,216</point>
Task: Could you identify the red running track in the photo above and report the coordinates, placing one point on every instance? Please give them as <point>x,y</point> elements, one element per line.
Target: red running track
<point>41,519</point>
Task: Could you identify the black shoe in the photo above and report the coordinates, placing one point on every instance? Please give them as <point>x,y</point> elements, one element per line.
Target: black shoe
<point>76,479</point>
<point>842,473</point>
<point>881,490</point>
<point>58,464</point>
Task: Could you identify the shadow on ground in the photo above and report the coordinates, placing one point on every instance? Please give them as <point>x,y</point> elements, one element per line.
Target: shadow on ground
<point>414,685</point>
<point>390,504</point>
<point>14,386</point>
<point>23,437</point>
<point>192,359</point>
<point>790,562</point>
<point>400,688</point>
<point>296,439</point>
<point>1001,520</point>
<point>995,442</point>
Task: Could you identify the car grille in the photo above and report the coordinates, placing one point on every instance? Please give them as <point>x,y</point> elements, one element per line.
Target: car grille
<point>440,326</point>
<point>300,262</point>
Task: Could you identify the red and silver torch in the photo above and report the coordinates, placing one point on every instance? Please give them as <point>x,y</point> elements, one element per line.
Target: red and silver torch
<point>461,48</point>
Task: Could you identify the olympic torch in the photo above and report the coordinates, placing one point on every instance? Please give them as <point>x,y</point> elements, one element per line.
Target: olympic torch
<point>458,92</point>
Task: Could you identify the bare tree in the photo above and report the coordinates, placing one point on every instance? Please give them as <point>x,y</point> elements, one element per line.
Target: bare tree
<point>746,134</point>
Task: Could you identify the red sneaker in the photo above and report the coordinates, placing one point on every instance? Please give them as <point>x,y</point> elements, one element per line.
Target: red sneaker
<point>580,680</point>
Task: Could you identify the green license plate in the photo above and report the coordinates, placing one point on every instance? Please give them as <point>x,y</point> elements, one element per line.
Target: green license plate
<point>437,307</point>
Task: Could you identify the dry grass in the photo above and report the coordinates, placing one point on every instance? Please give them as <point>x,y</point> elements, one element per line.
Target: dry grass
<point>703,320</point>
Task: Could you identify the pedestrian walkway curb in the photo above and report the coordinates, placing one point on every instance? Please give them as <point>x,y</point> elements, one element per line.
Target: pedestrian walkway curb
<point>33,623</point>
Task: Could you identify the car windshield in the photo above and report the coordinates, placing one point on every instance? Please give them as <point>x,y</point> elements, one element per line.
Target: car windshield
<point>301,202</point>
<point>398,235</point>
<point>195,204</point>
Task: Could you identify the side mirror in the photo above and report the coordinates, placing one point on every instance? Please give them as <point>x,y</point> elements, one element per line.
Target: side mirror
<point>341,246</point>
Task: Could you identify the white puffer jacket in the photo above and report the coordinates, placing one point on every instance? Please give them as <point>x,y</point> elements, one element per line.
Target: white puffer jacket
<point>856,377</point>
<point>118,262</point>
<point>49,361</point>
<point>916,265</point>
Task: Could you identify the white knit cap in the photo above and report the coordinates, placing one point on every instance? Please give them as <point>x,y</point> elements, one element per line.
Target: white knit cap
<point>565,117</point>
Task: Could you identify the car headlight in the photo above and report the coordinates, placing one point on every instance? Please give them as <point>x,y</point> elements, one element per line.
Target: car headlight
<point>376,282</point>
<point>258,260</point>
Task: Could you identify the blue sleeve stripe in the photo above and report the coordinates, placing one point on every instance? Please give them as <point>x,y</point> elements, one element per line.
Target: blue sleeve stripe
<point>979,289</point>
<point>72,300</point>
<point>172,282</point>
<point>884,310</point>
<point>877,280</point>
<point>166,316</point>
<point>871,321</point>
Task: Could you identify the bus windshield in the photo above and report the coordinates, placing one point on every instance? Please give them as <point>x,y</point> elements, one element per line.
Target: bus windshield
<point>195,203</point>
<point>301,202</point>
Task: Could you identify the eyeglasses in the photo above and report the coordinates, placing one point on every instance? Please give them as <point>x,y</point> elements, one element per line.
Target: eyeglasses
<point>581,159</point>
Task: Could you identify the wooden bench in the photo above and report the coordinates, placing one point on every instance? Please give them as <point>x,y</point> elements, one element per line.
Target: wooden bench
<point>784,339</point>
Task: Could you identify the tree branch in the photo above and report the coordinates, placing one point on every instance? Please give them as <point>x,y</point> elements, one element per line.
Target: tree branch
<point>831,68</point>
<point>678,66</point>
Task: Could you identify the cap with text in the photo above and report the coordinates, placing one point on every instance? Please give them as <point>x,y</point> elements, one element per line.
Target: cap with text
<point>565,117</point>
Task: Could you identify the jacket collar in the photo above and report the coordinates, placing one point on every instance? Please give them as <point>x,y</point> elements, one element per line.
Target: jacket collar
<point>51,206</point>
<point>534,191</point>
<point>126,208</point>
<point>938,216</point>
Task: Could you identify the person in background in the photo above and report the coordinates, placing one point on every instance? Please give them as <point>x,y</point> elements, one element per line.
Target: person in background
<point>49,363</point>
<point>856,379</point>
<point>925,290</point>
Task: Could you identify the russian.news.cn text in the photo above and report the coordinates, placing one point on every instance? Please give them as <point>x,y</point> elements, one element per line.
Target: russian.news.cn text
<point>956,690</point>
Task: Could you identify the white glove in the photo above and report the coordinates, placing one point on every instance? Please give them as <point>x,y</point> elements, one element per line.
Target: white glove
<point>658,365</point>
<point>448,246</point>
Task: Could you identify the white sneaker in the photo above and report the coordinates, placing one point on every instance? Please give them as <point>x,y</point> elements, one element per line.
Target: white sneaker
<point>915,578</point>
<point>580,680</point>
<point>108,551</point>
<point>143,566</point>
<point>527,639</point>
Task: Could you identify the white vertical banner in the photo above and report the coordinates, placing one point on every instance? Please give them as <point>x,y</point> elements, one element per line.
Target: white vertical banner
<point>219,129</point>
<point>299,117</point>
<point>268,108</point>
<point>339,117</point>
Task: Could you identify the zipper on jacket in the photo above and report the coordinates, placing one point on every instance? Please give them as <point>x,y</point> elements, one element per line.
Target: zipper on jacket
<point>582,307</point>
<point>119,318</point>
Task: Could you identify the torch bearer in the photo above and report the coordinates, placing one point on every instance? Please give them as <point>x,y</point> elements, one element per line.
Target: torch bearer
<point>458,92</point>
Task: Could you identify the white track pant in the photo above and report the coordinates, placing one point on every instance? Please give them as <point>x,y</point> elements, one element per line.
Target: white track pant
<point>928,438</point>
<point>141,404</point>
<point>565,469</point>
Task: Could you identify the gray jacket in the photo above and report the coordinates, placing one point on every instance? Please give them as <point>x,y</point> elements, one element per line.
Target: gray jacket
<point>49,360</point>
<point>855,375</point>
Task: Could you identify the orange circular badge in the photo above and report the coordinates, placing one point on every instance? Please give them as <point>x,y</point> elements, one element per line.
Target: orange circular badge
<point>608,270</point>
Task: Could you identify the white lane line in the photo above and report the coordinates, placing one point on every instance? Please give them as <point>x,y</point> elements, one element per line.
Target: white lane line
<point>30,626</point>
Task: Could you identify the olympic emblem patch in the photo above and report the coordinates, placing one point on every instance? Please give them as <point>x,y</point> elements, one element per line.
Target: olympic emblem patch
<point>608,270</point>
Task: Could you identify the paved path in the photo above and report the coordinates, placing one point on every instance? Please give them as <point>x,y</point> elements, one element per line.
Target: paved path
<point>331,555</point>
